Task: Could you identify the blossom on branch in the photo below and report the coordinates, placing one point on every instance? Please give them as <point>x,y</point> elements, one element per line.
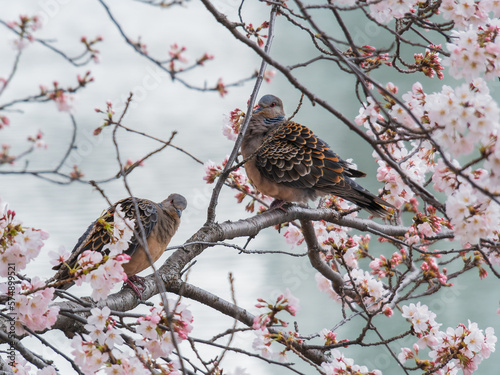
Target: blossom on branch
<point>33,306</point>
<point>464,347</point>
<point>339,365</point>
<point>24,27</point>
<point>286,302</point>
<point>231,127</point>
<point>255,32</point>
<point>19,245</point>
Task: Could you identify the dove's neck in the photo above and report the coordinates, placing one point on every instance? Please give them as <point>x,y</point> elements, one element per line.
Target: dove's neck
<point>274,120</point>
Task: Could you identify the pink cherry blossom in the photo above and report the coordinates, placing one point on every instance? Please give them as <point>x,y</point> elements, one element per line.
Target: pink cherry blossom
<point>33,306</point>
<point>339,364</point>
<point>385,11</point>
<point>293,236</point>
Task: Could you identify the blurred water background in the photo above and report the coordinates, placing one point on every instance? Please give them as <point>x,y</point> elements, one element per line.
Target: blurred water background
<point>161,106</point>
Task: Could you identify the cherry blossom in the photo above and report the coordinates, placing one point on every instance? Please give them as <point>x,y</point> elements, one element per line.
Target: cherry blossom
<point>382,267</point>
<point>231,127</point>
<point>176,54</point>
<point>293,236</point>
<point>33,306</point>
<point>154,335</point>
<point>471,214</point>
<point>24,27</point>
<point>37,140</point>
<point>455,348</point>
<point>18,245</point>
<point>475,51</point>
<point>339,364</point>
<point>262,343</point>
<point>97,350</point>
<point>385,11</point>
<point>286,302</point>
<point>465,13</point>
<point>430,63</point>
<point>251,31</point>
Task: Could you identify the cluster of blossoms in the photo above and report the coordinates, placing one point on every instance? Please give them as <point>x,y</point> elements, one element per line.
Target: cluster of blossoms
<point>37,140</point>
<point>460,120</point>
<point>65,97</point>
<point>231,128</point>
<point>32,305</point>
<point>109,112</point>
<point>176,54</point>
<point>416,162</point>
<point>347,250</point>
<point>18,245</point>
<point>469,12</point>
<point>474,52</point>
<point>90,47</point>
<point>430,270</point>
<point>263,341</point>
<point>64,100</point>
<point>430,63</point>
<point>425,226</point>
<point>153,328</point>
<point>30,299</point>
<point>334,239</point>
<point>99,350</point>
<point>285,302</point>
<point>255,32</point>
<point>23,367</point>
<point>92,351</point>
<point>24,27</point>
<point>473,214</point>
<point>371,58</point>
<point>386,11</point>
<point>371,290</point>
<point>383,267</point>
<point>103,270</point>
<point>475,46</point>
<point>462,348</point>
<point>236,178</point>
<point>338,364</point>
<point>341,365</point>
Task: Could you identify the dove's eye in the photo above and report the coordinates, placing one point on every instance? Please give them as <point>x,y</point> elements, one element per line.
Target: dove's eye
<point>273,104</point>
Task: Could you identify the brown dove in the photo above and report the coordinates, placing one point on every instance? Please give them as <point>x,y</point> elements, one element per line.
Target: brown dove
<point>292,164</point>
<point>159,220</point>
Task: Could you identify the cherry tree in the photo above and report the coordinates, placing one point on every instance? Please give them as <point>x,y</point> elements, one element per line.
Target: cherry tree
<point>437,163</point>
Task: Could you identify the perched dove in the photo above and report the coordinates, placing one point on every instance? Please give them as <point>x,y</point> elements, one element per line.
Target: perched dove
<point>292,164</point>
<point>159,220</point>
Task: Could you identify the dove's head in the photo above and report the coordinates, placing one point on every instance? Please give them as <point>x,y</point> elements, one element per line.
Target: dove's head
<point>175,203</point>
<point>270,106</point>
